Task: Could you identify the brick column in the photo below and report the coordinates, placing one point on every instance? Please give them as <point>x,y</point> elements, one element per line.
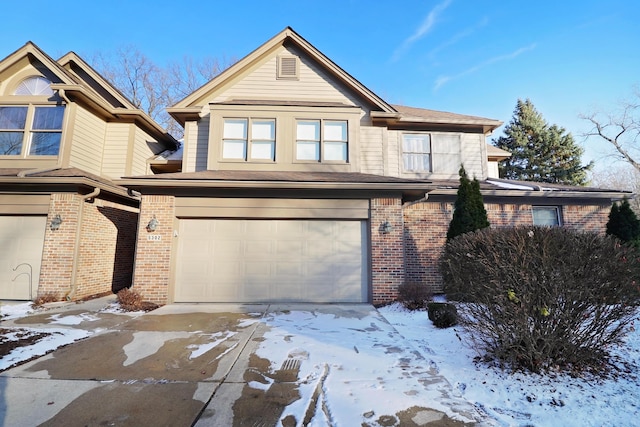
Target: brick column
<point>387,249</point>
<point>58,251</point>
<point>153,249</point>
<point>426,226</point>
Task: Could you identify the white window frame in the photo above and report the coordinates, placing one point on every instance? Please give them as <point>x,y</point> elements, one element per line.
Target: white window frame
<point>414,152</point>
<point>326,142</point>
<point>249,141</point>
<point>555,217</point>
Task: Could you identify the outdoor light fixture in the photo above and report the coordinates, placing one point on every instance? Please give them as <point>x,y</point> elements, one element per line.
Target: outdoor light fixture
<point>55,223</point>
<point>386,227</point>
<point>153,224</point>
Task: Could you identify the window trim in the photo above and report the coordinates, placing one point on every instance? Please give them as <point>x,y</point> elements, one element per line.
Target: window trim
<point>430,153</point>
<point>558,214</point>
<point>322,141</point>
<point>29,131</point>
<point>249,140</point>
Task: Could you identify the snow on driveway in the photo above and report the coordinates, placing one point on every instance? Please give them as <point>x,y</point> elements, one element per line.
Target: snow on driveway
<point>354,368</point>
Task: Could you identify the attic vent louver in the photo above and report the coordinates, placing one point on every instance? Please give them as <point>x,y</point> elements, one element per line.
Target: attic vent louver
<point>288,67</point>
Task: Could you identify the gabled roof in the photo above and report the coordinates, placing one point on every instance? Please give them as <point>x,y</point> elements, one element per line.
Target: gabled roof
<point>83,71</point>
<point>30,49</point>
<point>288,35</point>
<point>76,80</point>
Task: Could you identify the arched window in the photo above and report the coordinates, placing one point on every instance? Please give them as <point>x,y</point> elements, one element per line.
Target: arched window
<point>33,129</point>
<point>36,86</point>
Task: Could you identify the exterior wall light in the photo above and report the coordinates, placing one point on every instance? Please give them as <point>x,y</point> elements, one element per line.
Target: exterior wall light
<point>386,227</point>
<point>153,225</point>
<point>55,223</point>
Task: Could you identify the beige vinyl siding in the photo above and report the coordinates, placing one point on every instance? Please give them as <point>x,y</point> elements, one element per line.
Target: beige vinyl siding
<point>474,155</point>
<point>115,152</point>
<point>393,151</point>
<point>372,146</point>
<point>88,142</point>
<point>313,84</point>
<point>142,151</point>
<point>196,144</point>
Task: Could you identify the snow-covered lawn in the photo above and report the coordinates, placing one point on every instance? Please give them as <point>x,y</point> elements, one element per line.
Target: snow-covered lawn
<point>518,399</point>
<point>388,379</point>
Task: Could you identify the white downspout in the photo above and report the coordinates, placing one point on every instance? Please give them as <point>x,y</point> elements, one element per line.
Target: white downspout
<point>76,249</point>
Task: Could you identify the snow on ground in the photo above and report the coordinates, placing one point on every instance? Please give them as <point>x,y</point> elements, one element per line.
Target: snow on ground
<point>389,377</point>
<point>518,399</point>
<point>352,370</point>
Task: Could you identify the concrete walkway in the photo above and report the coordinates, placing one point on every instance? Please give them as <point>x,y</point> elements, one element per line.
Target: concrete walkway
<point>205,365</point>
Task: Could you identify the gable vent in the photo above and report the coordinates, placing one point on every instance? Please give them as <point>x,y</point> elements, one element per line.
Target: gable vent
<point>288,67</point>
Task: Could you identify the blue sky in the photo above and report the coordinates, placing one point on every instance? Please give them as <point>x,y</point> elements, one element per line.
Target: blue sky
<point>466,56</point>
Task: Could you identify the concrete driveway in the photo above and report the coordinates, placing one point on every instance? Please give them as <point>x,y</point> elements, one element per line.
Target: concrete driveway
<point>231,365</point>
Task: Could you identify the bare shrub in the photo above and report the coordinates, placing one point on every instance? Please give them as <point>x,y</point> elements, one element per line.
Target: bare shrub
<point>132,301</point>
<point>46,298</point>
<point>414,296</point>
<point>539,298</point>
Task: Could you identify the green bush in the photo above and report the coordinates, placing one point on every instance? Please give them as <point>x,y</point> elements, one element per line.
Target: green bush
<point>624,224</point>
<point>539,297</point>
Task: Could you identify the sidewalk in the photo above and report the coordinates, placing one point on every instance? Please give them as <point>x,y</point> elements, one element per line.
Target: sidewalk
<point>225,364</point>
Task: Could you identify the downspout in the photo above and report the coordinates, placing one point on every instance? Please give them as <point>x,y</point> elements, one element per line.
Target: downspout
<point>76,249</point>
<point>424,199</point>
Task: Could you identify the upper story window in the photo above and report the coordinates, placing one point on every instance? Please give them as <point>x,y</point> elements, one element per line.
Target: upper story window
<point>30,130</point>
<point>416,152</point>
<point>37,86</point>
<point>322,140</point>
<point>548,216</point>
<point>249,139</point>
<point>33,129</point>
<point>431,152</point>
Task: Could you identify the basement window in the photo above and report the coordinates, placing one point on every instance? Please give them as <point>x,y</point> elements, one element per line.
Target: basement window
<point>546,216</point>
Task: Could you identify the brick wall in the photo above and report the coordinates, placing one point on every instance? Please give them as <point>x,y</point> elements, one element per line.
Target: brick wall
<point>387,249</point>
<point>426,226</point>
<point>58,249</point>
<point>153,252</point>
<point>105,253</point>
<point>586,218</point>
<point>105,262</point>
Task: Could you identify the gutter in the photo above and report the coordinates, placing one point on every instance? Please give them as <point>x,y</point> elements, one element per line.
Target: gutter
<point>76,250</point>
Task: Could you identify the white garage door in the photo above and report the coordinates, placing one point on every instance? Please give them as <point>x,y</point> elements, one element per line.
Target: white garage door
<point>21,242</point>
<point>228,260</point>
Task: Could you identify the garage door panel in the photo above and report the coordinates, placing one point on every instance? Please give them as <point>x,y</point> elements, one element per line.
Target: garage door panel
<point>21,242</point>
<point>273,260</point>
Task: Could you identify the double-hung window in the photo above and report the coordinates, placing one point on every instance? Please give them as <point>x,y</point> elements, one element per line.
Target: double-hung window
<point>249,139</point>
<point>30,130</point>
<point>322,140</point>
<point>548,216</point>
<point>416,152</point>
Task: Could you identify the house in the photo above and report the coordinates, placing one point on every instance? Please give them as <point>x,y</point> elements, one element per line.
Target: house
<point>66,228</point>
<point>298,183</point>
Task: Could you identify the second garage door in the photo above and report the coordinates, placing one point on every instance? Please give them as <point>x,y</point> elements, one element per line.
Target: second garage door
<point>233,260</point>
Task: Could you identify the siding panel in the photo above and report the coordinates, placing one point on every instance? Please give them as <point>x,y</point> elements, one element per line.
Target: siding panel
<point>88,142</point>
<point>115,151</point>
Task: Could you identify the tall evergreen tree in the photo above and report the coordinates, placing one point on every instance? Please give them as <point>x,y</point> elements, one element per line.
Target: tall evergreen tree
<point>469,213</point>
<point>540,152</point>
<point>623,223</point>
